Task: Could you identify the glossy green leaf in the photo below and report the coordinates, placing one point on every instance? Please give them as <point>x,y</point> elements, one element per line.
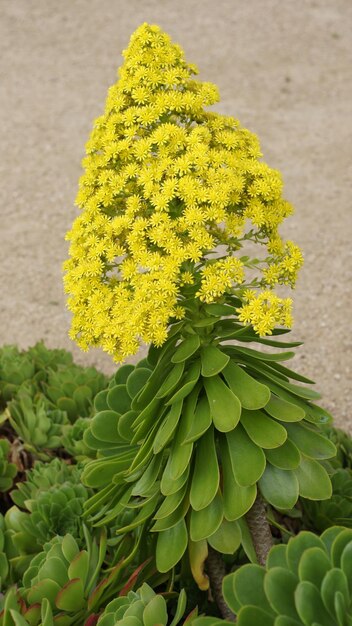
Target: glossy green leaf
<point>186,349</point>
<point>283,410</point>
<point>219,309</point>
<point>251,393</point>
<point>167,427</point>
<point>285,457</point>
<point>124,425</point>
<point>136,380</point>
<point>251,615</point>
<point>237,500</point>
<point>205,522</point>
<point>297,390</point>
<point>43,589</point>
<point>248,587</point>
<point>286,371</point>
<point>173,518</point>
<point>99,473</point>
<point>171,546</point>
<point>104,426</point>
<point>266,356</point>
<point>279,587</point>
<point>298,545</point>
<point>148,478</point>
<point>277,556</point>
<point>206,476</point>
<point>346,563</point>
<point>171,380</point>
<point>279,487</point>
<point>225,407</point>
<point>340,543</point>
<point>155,612</point>
<point>313,566</point>
<point>71,596</point>
<point>118,399</point>
<point>100,401</point>
<point>262,429</point>
<point>227,538</point>
<point>310,442</point>
<point>169,485</point>
<point>187,384</point>
<point>314,482</point>
<point>171,503</point>
<point>310,606</point>
<point>248,460</point>
<point>201,422</point>
<point>213,360</point>
<point>123,373</point>
<point>180,608</point>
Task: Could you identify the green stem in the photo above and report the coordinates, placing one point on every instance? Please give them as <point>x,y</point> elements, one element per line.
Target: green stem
<point>215,567</point>
<point>260,530</point>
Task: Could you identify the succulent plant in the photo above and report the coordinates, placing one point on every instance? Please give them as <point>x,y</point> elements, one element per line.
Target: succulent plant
<point>8,470</point>
<point>36,423</point>
<point>343,443</point>
<point>70,580</point>
<point>72,389</point>
<point>14,612</point>
<point>318,516</point>
<point>73,440</point>
<point>142,608</point>
<point>15,369</point>
<point>305,583</point>
<point>199,408</point>
<point>4,564</point>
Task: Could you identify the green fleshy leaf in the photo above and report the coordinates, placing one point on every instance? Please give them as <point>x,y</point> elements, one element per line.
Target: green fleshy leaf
<point>100,401</point>
<point>279,586</point>
<point>124,425</point>
<point>227,538</point>
<point>168,485</point>
<point>71,597</point>
<point>284,411</point>
<point>285,457</point>
<point>201,422</point>
<point>171,546</point>
<point>186,349</point>
<point>309,605</point>
<point>313,566</point>
<point>251,393</point>
<point>173,518</point>
<point>68,405</point>
<point>343,540</point>
<point>148,478</point>
<point>277,557</point>
<point>225,407</point>
<point>248,460</point>
<point>265,356</point>
<point>180,608</point>
<point>263,430</point>
<point>118,399</point>
<point>346,563</point>
<point>314,482</point>
<point>206,476</point>
<point>79,567</point>
<point>171,503</point>
<point>205,522</point>
<point>43,589</point>
<point>123,373</point>
<point>136,380</point>
<point>237,500</point>
<point>250,615</point>
<point>168,427</point>
<point>213,361</point>
<point>155,612</point>
<point>104,427</point>
<point>279,487</point>
<point>310,442</point>
<point>171,380</point>
<point>187,384</point>
<point>298,545</point>
<point>248,588</point>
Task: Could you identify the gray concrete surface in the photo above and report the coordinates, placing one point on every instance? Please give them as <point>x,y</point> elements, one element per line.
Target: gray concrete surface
<point>283,68</point>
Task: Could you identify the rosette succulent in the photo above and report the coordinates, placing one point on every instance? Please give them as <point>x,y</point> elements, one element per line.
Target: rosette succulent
<point>305,583</point>
<point>8,470</point>
<point>343,443</point>
<point>142,608</point>
<point>15,369</point>
<point>318,516</point>
<point>199,409</point>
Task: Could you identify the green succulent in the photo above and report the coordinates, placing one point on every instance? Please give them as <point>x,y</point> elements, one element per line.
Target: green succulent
<point>70,579</point>
<point>73,440</point>
<point>305,583</point>
<point>42,477</point>
<point>337,510</point>
<point>142,608</point>
<point>195,410</point>
<point>72,389</point>
<point>36,423</point>
<point>14,612</point>
<point>343,443</point>
<point>4,564</point>
<point>8,470</point>
<point>45,358</point>
<point>15,368</point>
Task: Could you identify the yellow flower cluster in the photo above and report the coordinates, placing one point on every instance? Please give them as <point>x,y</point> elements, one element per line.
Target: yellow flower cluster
<point>165,183</point>
<point>284,271</point>
<point>265,310</point>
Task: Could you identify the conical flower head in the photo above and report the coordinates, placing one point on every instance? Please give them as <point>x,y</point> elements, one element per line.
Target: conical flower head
<point>166,182</point>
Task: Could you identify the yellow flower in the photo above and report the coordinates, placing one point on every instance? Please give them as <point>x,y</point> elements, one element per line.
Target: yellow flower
<point>165,183</point>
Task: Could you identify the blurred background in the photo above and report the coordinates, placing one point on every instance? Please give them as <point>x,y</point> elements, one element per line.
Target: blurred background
<point>283,69</point>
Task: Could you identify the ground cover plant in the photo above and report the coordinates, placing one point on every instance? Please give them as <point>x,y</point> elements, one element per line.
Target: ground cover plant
<point>204,482</point>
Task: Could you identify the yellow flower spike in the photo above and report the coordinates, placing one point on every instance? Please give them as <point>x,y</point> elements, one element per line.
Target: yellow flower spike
<point>165,183</point>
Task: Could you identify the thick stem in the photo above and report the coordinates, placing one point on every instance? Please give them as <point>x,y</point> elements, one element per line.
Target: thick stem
<point>216,571</point>
<point>260,530</point>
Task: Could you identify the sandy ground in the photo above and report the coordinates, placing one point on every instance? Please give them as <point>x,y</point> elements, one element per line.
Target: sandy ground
<point>283,68</point>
